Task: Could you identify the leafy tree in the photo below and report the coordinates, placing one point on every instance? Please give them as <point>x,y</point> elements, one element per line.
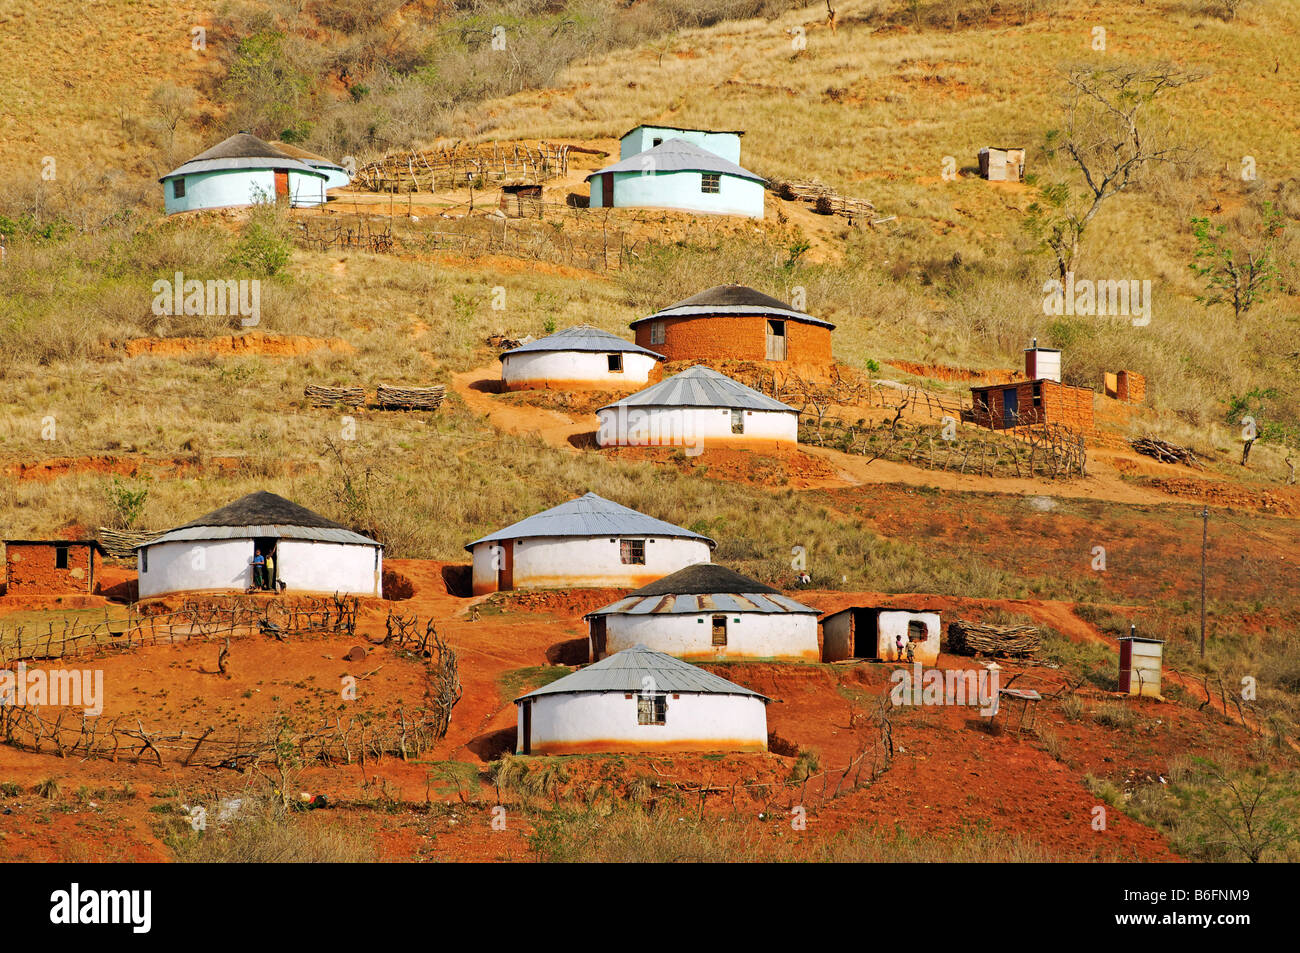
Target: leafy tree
<point>1239,275</point>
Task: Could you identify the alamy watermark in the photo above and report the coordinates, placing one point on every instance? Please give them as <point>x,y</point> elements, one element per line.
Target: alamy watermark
<point>950,687</point>
<point>214,298</point>
<point>66,688</point>
<point>1126,297</point>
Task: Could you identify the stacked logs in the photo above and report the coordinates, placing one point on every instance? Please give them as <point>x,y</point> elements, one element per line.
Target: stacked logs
<point>410,398</point>
<point>1166,452</point>
<point>318,396</point>
<point>985,638</point>
<point>121,544</point>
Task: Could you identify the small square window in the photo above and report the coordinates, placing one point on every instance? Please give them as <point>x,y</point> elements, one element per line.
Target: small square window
<point>711,182</point>
<point>632,552</point>
<point>178,188</point>
<point>615,363</point>
<point>657,141</point>
<point>656,332</point>
<point>651,709</point>
<point>60,557</point>
<point>917,630</point>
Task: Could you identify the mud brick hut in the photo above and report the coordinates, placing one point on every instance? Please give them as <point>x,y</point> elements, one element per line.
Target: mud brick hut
<point>1039,399</point>
<point>579,358</point>
<point>215,552</point>
<point>707,612</point>
<point>590,541</point>
<point>681,176</point>
<point>1126,386</point>
<point>694,409</point>
<point>873,632</point>
<point>733,322</point>
<point>641,700</point>
<point>1002,164</point>
<point>51,566</point>
<point>243,170</point>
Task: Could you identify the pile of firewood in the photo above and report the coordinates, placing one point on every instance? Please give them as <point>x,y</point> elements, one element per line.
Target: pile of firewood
<point>121,544</point>
<point>410,398</point>
<point>319,396</point>
<point>504,342</point>
<point>824,199</point>
<point>1166,452</point>
<point>985,638</point>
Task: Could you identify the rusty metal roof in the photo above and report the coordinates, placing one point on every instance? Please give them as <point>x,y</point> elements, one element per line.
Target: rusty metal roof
<point>629,670</point>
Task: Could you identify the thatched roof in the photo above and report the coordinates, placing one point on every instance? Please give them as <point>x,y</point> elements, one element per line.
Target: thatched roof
<point>733,299</point>
<point>263,514</point>
<point>241,151</point>
<point>704,579</point>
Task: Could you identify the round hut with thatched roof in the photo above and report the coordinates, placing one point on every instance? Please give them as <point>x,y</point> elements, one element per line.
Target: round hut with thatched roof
<point>707,612</point>
<point>733,322</point>
<point>579,358</point>
<point>216,552</point>
<point>242,170</point>
<point>641,700</point>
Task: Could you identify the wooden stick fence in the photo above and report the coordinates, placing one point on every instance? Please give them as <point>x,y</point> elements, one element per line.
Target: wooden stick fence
<point>460,165</point>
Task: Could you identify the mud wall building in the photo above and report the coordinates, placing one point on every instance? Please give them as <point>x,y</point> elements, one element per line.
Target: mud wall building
<point>51,566</point>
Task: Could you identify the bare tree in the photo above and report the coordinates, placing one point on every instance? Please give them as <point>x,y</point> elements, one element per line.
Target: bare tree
<point>1112,134</point>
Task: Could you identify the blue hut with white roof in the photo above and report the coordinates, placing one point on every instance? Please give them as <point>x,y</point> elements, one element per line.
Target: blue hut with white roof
<point>678,174</point>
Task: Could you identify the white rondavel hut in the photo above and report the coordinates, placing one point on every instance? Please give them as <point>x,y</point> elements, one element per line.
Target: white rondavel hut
<point>696,407</point>
<point>215,552</point>
<point>578,358</point>
<point>242,170</point>
<point>641,700</point>
<point>707,612</point>
<point>589,541</point>
<point>678,174</point>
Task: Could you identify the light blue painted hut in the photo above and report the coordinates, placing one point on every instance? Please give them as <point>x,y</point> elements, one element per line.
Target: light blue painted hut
<point>677,174</point>
<point>242,170</point>
<point>724,143</point>
<point>336,176</point>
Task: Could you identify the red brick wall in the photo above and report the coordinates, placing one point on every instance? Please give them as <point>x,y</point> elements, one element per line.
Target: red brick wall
<point>1061,404</point>
<point>735,337</point>
<point>1131,387</point>
<point>30,569</point>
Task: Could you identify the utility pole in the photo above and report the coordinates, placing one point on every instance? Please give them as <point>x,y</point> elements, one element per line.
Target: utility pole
<point>1205,532</point>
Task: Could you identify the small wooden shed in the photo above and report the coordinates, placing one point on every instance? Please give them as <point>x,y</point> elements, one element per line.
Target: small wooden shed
<point>51,566</point>
<point>1000,164</point>
<point>1140,663</point>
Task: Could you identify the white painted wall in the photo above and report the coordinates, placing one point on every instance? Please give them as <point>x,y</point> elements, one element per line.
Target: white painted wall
<point>309,566</point>
<point>537,368</point>
<point>198,565</point>
<point>893,623</point>
<point>560,562</point>
<point>788,636</point>
<point>691,427</point>
<point>305,565</point>
<point>607,721</point>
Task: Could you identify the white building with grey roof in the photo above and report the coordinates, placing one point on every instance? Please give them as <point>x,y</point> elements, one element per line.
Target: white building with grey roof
<point>579,358</point>
<point>215,552</point>
<point>641,700</point>
<point>678,174</point>
<point>587,542</point>
<point>693,409</point>
<point>707,612</point>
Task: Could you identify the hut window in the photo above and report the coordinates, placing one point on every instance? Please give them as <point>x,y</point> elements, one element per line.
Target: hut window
<point>615,363</point>
<point>711,182</point>
<point>656,141</point>
<point>719,630</point>
<point>144,560</point>
<point>916,630</point>
<point>651,709</point>
<point>656,332</point>
<point>1038,395</point>
<point>60,557</point>
<point>632,552</point>
<point>737,421</point>
<point>178,188</point>
<point>982,401</point>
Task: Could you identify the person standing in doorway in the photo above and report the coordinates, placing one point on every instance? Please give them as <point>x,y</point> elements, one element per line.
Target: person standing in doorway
<point>270,569</point>
<point>259,569</point>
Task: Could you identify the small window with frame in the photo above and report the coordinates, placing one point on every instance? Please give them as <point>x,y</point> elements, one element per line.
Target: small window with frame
<point>632,552</point>
<point>1038,395</point>
<point>719,630</point>
<point>651,709</point>
<point>60,557</point>
<point>737,421</point>
<point>615,363</point>
<point>711,182</point>
<point>178,188</point>
<point>656,332</point>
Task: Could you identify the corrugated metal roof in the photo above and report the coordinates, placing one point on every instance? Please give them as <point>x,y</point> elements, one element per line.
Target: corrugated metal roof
<point>583,337</point>
<point>696,603</point>
<point>678,155</point>
<point>241,151</point>
<point>732,299</point>
<point>590,515</point>
<point>701,387</point>
<point>624,672</point>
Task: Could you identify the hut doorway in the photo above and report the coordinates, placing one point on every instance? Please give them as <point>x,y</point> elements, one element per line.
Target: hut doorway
<point>1009,407</point>
<point>271,573</point>
<point>866,623</point>
<point>598,638</point>
<point>506,571</point>
<point>719,630</point>
<point>776,349</point>
<point>526,742</point>
<point>607,190</point>
<point>281,185</point>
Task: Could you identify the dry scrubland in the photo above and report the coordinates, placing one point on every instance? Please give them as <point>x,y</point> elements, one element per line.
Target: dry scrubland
<point>871,109</point>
